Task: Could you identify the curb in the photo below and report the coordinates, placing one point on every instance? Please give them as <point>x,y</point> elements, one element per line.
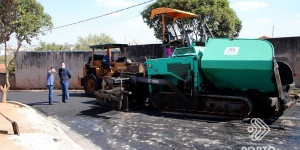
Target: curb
<point>17,103</point>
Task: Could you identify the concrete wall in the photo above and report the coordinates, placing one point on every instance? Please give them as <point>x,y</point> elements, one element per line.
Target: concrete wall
<point>31,67</point>
<point>288,50</point>
<point>135,51</point>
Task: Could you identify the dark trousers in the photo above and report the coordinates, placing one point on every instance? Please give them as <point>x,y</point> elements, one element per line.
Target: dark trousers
<point>65,91</point>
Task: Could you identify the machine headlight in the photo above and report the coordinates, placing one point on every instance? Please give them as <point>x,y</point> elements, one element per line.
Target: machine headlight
<point>150,66</point>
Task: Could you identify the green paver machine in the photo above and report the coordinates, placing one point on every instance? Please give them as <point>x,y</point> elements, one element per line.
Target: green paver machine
<point>227,76</point>
<point>222,77</point>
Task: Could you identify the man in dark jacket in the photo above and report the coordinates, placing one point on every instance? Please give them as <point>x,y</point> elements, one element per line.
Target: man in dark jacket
<point>64,74</point>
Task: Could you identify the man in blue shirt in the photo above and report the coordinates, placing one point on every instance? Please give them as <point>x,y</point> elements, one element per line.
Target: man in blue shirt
<point>50,83</point>
<point>106,62</point>
<point>64,74</point>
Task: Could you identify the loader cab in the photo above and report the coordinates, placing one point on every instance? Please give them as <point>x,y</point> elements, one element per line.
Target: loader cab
<point>106,63</point>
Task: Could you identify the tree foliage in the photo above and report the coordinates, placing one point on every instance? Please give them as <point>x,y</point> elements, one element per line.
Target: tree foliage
<point>8,16</point>
<point>26,20</point>
<point>85,43</point>
<point>217,14</point>
<point>52,47</point>
<point>12,68</point>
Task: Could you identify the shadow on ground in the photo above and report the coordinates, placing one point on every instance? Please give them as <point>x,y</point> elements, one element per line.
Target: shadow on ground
<point>98,111</point>
<point>95,112</point>
<point>38,103</point>
<point>76,95</point>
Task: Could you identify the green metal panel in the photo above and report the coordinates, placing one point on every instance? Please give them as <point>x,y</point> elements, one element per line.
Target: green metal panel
<point>177,67</point>
<point>239,64</point>
<point>188,51</point>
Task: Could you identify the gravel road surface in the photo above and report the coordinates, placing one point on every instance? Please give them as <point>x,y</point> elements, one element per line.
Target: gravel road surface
<point>147,129</point>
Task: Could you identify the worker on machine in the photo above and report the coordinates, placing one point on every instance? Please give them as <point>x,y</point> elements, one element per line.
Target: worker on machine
<point>166,43</point>
<point>106,60</point>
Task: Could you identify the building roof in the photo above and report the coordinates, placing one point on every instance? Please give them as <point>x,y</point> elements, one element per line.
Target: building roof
<point>2,68</point>
<point>264,37</point>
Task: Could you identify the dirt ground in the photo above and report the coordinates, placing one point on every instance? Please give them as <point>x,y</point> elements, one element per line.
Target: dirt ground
<point>35,132</point>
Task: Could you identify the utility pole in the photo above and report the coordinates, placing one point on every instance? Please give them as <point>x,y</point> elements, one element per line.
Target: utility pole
<point>273,32</point>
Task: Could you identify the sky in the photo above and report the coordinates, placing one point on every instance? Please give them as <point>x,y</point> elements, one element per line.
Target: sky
<point>258,18</point>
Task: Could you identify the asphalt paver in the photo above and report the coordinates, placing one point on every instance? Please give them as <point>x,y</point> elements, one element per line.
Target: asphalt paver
<point>148,129</point>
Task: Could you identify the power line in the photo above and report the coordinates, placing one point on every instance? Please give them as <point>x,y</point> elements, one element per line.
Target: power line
<point>109,22</point>
<point>113,21</point>
<point>102,15</point>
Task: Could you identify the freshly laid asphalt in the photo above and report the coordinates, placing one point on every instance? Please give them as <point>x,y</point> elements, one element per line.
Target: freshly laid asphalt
<point>147,129</point>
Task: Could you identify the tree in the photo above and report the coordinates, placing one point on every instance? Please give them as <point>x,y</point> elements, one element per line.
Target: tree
<point>217,14</point>
<point>26,19</point>
<point>85,43</point>
<point>52,47</point>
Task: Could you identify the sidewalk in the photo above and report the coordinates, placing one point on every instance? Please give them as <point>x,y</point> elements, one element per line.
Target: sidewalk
<point>36,132</point>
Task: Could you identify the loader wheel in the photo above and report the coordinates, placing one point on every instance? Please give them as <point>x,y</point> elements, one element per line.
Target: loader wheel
<point>90,84</point>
